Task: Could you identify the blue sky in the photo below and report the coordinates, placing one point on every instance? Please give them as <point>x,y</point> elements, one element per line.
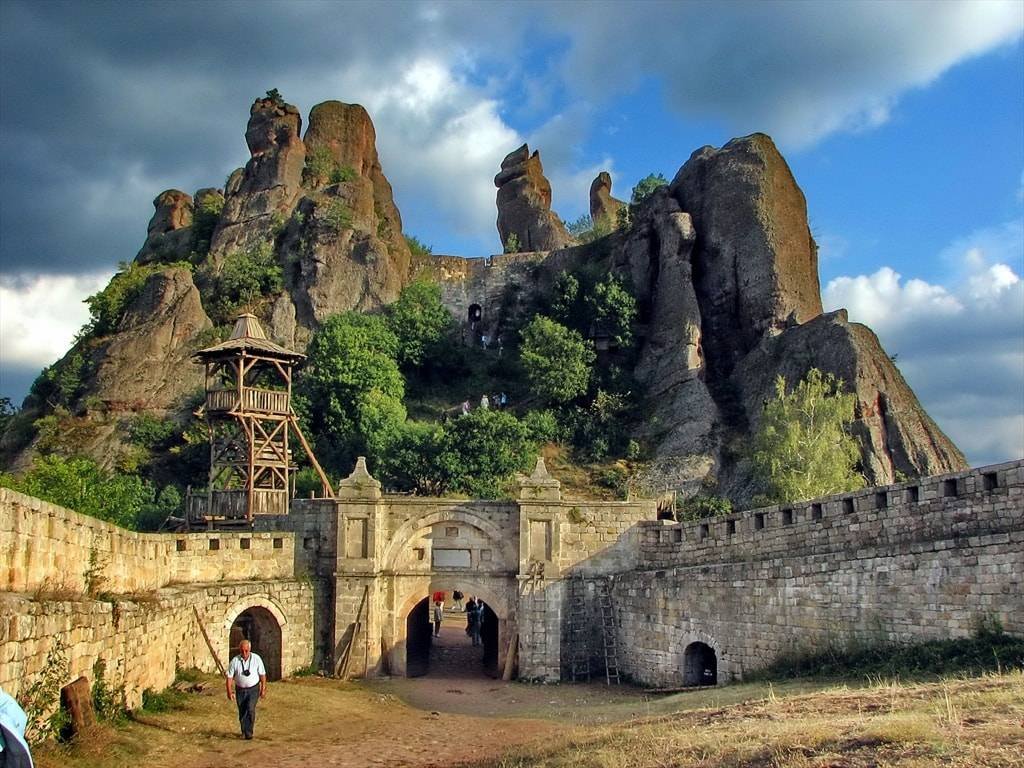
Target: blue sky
<point>902,122</point>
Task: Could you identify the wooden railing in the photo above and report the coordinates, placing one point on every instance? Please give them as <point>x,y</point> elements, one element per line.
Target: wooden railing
<point>231,504</point>
<point>261,400</point>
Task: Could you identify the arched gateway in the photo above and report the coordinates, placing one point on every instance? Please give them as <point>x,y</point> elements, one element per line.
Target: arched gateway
<point>390,554</point>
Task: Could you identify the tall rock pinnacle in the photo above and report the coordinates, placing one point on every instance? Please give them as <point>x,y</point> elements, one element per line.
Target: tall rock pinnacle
<point>524,204</point>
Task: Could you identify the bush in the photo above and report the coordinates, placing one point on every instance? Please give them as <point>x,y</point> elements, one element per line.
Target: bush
<point>410,462</point>
<point>107,702</point>
<point>511,244</point>
<point>646,187</point>
<point>337,214</point>
<point>108,307</point>
<point>62,383</point>
<point>599,429</point>
<point>352,386</point>
<point>586,230</point>
<point>148,431</point>
<point>321,168</point>
<point>556,360</point>
<point>206,214</point>
<point>543,426</point>
<point>481,451</point>
<point>81,485</point>
<point>244,277</point>
<point>41,699</point>
<point>701,507</point>
<point>417,247</point>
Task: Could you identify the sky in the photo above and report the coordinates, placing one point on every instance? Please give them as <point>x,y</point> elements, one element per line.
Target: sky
<point>903,122</point>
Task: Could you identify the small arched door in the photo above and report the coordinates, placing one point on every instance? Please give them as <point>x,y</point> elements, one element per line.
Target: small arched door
<point>260,628</point>
<point>700,665</point>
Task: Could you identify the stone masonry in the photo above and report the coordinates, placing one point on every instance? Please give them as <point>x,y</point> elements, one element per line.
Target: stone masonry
<point>345,577</point>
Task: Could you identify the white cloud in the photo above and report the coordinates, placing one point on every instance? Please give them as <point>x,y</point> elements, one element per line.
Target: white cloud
<point>40,316</point>
<point>961,345</point>
<point>799,71</point>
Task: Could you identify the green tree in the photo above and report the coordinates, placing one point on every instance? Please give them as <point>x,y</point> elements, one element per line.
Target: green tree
<point>646,187</point>
<point>802,448</point>
<point>204,220</point>
<point>410,462</point>
<point>419,321</point>
<point>352,387</point>
<point>612,310</point>
<point>481,451</point>
<point>556,360</point>
<point>245,276</point>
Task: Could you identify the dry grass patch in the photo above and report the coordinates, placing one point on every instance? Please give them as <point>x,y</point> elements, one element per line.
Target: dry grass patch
<point>956,722</point>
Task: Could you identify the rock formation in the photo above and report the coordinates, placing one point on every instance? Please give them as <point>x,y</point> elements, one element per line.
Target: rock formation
<point>721,261</point>
<point>524,204</point>
<point>756,265</point>
<point>364,265</point>
<point>169,234</point>
<point>604,209</point>
<point>271,181</point>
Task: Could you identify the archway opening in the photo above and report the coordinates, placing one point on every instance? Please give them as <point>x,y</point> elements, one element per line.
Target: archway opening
<point>489,639</point>
<point>419,637</point>
<point>475,314</point>
<point>260,628</point>
<point>700,665</point>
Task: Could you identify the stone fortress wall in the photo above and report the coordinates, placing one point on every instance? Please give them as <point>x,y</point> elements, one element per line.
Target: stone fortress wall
<point>126,598</point>
<point>913,561</point>
<point>909,561</point>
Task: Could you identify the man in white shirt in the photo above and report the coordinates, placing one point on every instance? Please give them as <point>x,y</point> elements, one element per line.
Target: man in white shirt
<point>246,682</point>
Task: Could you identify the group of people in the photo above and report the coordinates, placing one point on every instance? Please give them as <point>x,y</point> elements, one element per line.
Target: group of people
<point>497,401</point>
<point>474,610</point>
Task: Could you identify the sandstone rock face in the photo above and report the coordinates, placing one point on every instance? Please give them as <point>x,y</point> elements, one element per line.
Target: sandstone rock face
<point>895,433</point>
<point>524,204</point>
<point>169,233</point>
<point>147,365</point>
<point>756,264</point>
<point>271,182</point>
<point>604,209</point>
<point>346,244</point>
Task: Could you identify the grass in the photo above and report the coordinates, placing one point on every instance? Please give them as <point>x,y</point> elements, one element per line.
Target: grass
<point>965,722</point>
<point>988,651</point>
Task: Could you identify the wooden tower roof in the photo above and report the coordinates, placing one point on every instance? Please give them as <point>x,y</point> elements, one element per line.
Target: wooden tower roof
<point>248,337</point>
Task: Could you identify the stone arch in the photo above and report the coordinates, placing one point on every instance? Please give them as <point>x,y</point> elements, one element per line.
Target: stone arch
<point>401,538</point>
<point>417,594</point>
<point>700,652</point>
<point>261,620</point>
<point>700,664</point>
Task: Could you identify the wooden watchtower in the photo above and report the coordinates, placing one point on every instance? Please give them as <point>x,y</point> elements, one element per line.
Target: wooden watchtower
<point>249,417</point>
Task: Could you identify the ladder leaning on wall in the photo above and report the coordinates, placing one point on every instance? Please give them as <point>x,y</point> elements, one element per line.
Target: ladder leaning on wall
<point>611,653</point>
<point>578,630</point>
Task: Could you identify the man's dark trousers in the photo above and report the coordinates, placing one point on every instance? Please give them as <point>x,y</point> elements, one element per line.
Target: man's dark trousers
<point>246,699</point>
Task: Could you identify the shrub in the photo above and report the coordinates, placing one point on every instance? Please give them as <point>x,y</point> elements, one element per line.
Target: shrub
<point>321,168</point>
<point>646,187</point>
<point>148,431</point>
<point>410,462</point>
<point>80,484</point>
<point>337,214</point>
<point>244,276</point>
<point>481,451</point>
<point>512,243</point>
<point>41,700</point>
<point>342,173</point>
<point>62,383</point>
<point>108,307</point>
<point>586,230</point>
<point>543,426</point>
<point>107,702</point>
<point>556,360</point>
<point>701,507</point>
<point>275,97</point>
<point>350,357</point>
<point>205,216</point>
<point>417,247</point>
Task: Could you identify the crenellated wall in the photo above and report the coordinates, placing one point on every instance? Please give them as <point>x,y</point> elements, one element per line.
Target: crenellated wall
<point>906,562</point>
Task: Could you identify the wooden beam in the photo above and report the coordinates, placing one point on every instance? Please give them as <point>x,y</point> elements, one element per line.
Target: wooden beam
<point>327,487</point>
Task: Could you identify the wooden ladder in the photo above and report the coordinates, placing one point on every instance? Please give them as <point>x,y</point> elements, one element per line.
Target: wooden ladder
<point>578,634</point>
<point>608,635</point>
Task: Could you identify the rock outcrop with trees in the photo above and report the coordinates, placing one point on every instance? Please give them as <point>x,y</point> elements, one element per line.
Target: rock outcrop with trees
<point>650,342</point>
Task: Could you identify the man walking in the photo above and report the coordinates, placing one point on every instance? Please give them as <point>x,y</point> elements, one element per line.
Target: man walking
<point>246,681</point>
